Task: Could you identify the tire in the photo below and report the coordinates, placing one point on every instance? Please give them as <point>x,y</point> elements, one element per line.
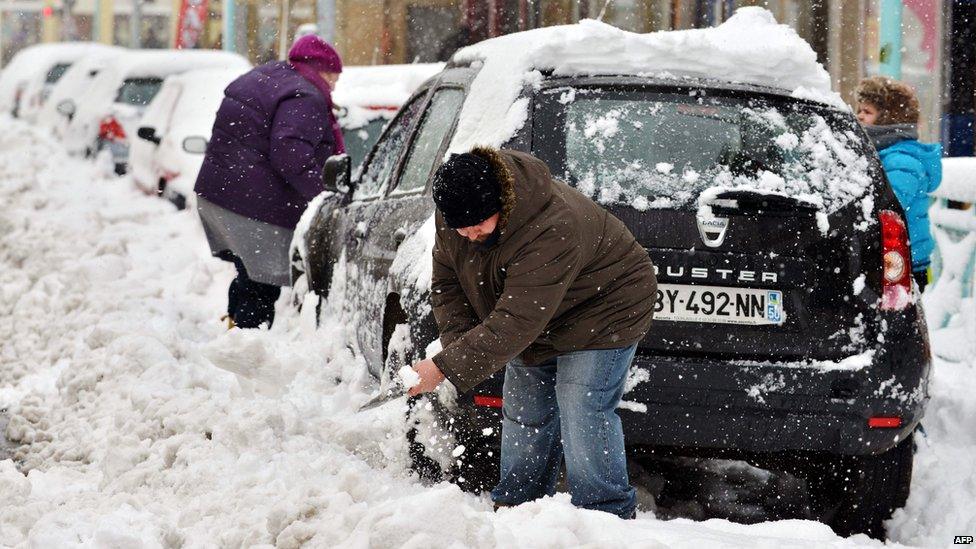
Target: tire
<point>862,492</point>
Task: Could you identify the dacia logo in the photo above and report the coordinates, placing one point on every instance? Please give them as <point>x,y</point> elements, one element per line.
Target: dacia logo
<point>712,230</point>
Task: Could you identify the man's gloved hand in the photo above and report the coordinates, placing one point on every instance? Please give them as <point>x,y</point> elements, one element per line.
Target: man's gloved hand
<point>430,377</point>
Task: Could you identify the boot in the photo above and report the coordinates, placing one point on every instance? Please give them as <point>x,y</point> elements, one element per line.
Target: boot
<point>230,321</point>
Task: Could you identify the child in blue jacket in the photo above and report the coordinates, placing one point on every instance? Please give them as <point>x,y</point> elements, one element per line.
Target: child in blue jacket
<point>889,112</point>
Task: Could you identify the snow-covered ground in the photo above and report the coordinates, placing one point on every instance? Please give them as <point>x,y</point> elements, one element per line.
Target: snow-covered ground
<point>141,422</point>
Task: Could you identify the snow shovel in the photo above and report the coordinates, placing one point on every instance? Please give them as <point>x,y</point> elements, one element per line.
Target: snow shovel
<point>393,391</point>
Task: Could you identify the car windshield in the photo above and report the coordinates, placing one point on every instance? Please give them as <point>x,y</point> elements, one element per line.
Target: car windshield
<point>658,150</point>
<point>56,72</point>
<point>138,91</point>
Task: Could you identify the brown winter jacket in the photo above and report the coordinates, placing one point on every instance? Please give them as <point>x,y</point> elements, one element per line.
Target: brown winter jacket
<point>564,275</point>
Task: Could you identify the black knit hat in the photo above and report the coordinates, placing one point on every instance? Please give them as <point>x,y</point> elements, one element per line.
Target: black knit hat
<point>466,190</point>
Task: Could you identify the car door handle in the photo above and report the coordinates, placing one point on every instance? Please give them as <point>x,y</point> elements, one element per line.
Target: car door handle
<point>398,236</point>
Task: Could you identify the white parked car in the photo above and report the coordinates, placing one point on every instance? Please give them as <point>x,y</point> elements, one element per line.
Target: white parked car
<point>108,116</point>
<point>58,110</point>
<point>29,77</point>
<point>174,132</point>
<point>176,126</point>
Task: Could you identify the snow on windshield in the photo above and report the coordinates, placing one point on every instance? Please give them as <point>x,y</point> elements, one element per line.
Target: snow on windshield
<point>750,47</point>
<point>669,150</point>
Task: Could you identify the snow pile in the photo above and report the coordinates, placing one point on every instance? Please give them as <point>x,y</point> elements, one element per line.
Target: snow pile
<point>143,423</point>
<point>750,47</point>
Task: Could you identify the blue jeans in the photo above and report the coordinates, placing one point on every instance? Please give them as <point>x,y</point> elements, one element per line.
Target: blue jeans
<point>566,408</point>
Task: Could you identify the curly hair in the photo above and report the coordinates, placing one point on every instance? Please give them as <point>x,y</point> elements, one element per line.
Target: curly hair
<point>896,101</point>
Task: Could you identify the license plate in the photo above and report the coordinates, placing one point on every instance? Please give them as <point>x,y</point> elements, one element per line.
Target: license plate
<point>681,303</point>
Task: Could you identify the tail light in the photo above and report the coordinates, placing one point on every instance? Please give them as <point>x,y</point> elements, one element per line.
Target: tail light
<point>110,130</point>
<point>884,422</point>
<point>488,401</point>
<point>896,280</point>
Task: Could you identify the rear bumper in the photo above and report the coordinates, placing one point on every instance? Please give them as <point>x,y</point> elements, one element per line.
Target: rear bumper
<point>703,406</point>
<point>759,408</point>
<point>120,151</point>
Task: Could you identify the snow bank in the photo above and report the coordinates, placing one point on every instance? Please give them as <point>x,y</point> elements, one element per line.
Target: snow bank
<point>143,423</point>
<point>750,47</point>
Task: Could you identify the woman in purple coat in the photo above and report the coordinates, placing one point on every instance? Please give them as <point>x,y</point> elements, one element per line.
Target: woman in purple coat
<point>273,133</point>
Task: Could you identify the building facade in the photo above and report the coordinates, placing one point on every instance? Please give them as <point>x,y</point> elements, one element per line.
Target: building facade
<point>931,44</point>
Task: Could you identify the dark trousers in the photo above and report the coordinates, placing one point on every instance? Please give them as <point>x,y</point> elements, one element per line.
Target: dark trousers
<point>250,303</point>
<point>921,279</point>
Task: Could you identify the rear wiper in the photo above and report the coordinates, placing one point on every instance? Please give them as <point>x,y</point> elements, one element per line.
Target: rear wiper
<point>739,202</point>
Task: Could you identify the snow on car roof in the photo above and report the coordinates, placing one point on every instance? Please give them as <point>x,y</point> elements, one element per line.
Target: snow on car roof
<point>29,62</point>
<point>750,47</point>
<point>162,63</point>
<point>381,85</point>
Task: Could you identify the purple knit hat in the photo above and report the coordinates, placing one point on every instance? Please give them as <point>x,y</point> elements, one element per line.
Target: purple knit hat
<point>316,53</point>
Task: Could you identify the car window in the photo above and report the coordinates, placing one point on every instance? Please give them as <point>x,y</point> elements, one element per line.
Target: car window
<point>56,72</point>
<point>359,141</point>
<point>437,124</point>
<point>380,167</point>
<point>138,91</point>
<point>660,150</point>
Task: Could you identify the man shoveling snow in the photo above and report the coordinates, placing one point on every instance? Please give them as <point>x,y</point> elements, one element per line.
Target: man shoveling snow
<point>531,275</point>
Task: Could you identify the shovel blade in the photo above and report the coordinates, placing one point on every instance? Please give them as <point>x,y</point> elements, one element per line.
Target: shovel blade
<point>394,391</point>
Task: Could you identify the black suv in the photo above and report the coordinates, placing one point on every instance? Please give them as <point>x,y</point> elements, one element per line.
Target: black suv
<point>786,331</point>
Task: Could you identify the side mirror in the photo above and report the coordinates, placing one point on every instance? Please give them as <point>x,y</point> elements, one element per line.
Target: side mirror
<point>67,108</point>
<point>195,144</point>
<point>337,173</point>
<point>149,134</point>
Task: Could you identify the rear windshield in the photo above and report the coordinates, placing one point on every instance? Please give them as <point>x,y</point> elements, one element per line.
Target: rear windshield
<point>660,150</point>
<point>138,91</point>
<point>56,72</point>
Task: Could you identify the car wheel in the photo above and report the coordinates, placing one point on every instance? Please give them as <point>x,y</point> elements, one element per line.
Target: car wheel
<point>178,200</point>
<point>862,492</point>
